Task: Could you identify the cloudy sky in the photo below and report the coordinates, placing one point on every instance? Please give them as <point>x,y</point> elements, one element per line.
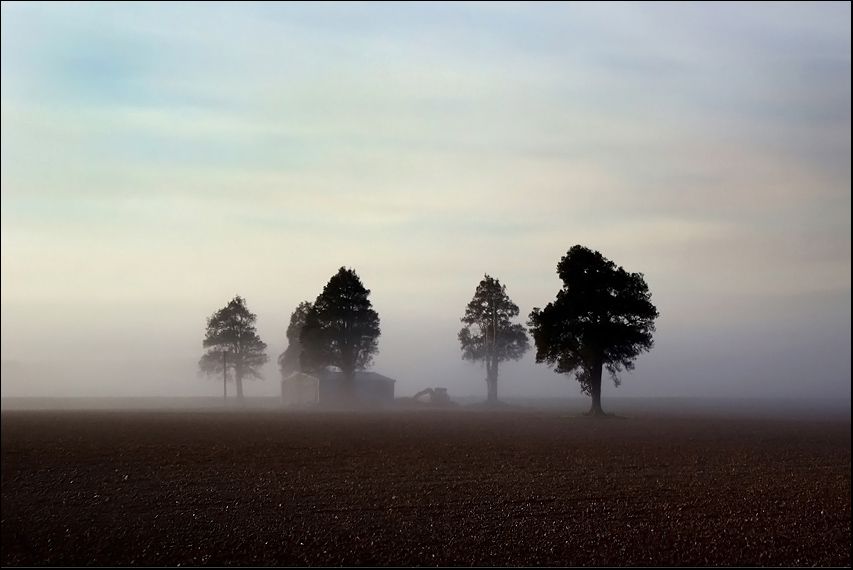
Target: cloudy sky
<point>158,159</point>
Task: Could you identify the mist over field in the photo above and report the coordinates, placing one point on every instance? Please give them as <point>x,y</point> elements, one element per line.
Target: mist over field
<point>159,159</point>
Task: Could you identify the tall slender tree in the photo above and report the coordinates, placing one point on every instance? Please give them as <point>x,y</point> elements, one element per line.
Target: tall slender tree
<point>289,360</point>
<point>232,345</point>
<point>602,318</point>
<point>341,328</point>
<point>489,335</point>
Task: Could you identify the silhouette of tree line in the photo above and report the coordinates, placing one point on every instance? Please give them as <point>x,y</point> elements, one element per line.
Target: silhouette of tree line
<point>601,319</point>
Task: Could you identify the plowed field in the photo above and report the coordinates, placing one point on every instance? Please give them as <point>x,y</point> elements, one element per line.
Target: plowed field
<point>421,488</point>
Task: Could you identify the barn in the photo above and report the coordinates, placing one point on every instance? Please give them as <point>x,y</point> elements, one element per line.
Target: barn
<point>369,388</point>
<point>300,390</point>
<point>328,387</point>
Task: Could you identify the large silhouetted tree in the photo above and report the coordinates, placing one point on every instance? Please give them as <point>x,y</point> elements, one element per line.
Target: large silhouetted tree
<point>289,360</point>
<point>603,317</point>
<point>341,328</point>
<point>489,335</point>
<point>233,345</point>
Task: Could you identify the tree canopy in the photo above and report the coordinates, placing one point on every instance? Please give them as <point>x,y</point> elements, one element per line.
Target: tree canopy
<point>489,335</point>
<point>341,328</point>
<point>232,344</point>
<point>602,317</point>
<point>289,360</point>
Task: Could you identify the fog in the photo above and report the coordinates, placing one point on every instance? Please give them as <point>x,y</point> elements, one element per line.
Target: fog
<point>707,147</point>
<point>783,355</point>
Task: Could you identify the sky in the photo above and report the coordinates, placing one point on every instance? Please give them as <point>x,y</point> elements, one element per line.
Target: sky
<point>158,159</point>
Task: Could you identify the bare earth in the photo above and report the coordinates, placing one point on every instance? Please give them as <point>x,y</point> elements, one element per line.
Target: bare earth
<point>421,488</point>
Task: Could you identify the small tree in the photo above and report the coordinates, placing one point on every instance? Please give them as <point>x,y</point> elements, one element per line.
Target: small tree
<point>489,335</point>
<point>341,329</point>
<point>289,360</point>
<point>233,345</point>
<point>603,317</point>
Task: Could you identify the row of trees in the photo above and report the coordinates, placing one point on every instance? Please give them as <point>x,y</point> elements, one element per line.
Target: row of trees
<point>340,328</point>
<point>601,319</point>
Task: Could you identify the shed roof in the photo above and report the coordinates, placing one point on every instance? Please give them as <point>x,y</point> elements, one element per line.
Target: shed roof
<point>361,375</point>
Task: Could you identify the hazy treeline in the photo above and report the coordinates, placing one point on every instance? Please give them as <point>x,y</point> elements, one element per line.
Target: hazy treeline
<point>602,318</point>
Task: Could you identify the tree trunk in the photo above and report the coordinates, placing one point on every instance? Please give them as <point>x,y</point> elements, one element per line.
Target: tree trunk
<point>595,390</point>
<point>225,377</point>
<point>492,397</point>
<point>492,383</point>
<point>238,379</point>
<point>348,391</point>
<point>348,364</point>
<point>492,380</point>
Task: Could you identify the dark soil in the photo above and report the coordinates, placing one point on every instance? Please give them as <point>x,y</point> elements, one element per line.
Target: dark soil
<point>452,487</point>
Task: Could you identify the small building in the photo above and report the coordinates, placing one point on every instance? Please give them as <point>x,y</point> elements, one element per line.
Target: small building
<point>300,390</point>
<point>368,388</point>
